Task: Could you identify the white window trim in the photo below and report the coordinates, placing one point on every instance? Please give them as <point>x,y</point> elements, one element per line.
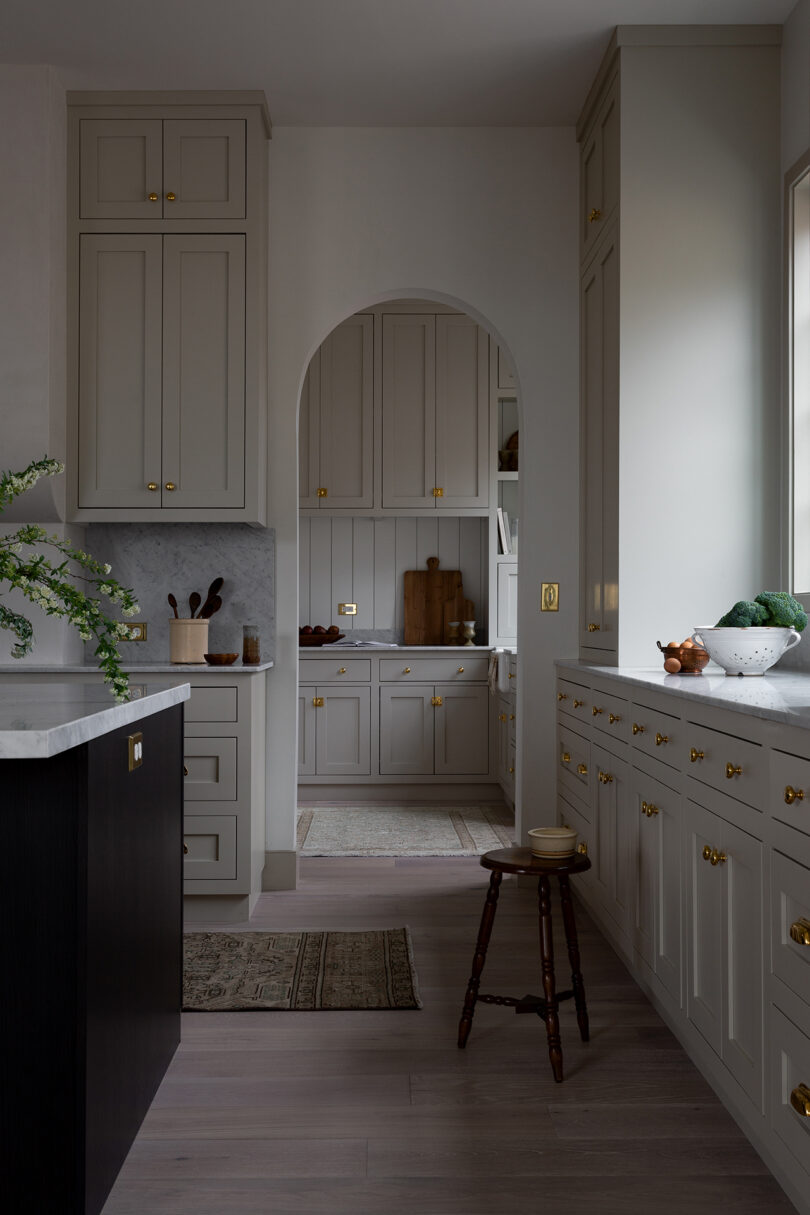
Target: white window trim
<point>796,377</point>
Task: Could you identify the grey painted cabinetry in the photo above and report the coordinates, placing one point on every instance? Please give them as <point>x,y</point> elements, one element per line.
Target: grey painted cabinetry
<point>167,340</point>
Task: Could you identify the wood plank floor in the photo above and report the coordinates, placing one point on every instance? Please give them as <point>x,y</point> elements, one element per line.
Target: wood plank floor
<point>379,1113</point>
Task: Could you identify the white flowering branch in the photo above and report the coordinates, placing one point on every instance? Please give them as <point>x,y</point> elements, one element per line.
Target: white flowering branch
<point>52,586</point>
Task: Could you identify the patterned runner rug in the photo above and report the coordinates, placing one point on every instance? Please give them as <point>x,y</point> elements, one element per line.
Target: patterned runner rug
<point>230,971</point>
<point>414,830</point>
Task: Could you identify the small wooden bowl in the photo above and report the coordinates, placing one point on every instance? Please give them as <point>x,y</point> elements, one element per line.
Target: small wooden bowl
<point>692,658</point>
<point>220,660</point>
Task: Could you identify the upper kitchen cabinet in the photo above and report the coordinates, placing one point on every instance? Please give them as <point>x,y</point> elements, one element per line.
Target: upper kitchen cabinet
<point>336,422</point>
<point>435,414</point>
<point>599,170</point>
<point>151,169</point>
<point>167,275</point>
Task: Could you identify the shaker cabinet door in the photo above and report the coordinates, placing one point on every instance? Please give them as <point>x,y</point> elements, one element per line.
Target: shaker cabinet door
<point>204,168</point>
<point>343,743</point>
<point>406,731</point>
<point>121,169</point>
<point>408,410</point>
<point>461,730</point>
<point>345,414</point>
<point>462,416</point>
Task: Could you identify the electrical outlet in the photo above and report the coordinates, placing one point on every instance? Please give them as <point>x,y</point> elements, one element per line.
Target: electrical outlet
<point>137,632</point>
<point>550,597</point>
<point>135,750</point>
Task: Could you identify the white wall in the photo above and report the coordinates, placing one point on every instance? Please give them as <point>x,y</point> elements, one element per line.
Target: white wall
<point>484,220</point>
<point>796,84</point>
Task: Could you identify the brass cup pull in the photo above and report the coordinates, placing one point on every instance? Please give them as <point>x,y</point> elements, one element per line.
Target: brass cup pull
<point>562,696</point>
<point>661,738</point>
<point>565,757</point>
<point>170,485</point>
<point>596,711</point>
<point>153,197</point>
<point>793,795</point>
<point>594,216</point>
<point>171,196</point>
<point>695,755</point>
<point>582,769</point>
<point>582,849</point>
<point>637,729</point>
<point>718,858</point>
<point>153,486</point>
<point>800,1100</point>
<point>732,771</point>
<point>707,853</point>
<point>800,932</point>
<point>185,770</point>
<point>318,702</point>
<point>613,718</point>
<point>594,628</point>
<point>341,670</point>
<point>605,778</point>
<point>436,701</point>
<point>578,703</point>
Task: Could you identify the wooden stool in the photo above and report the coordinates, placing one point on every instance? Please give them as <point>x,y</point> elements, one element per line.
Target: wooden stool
<point>522,861</point>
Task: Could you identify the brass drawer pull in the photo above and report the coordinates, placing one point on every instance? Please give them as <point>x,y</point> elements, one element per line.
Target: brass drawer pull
<point>185,770</point>
<point>594,216</point>
<point>322,492</point>
<point>562,696</point>
<point>707,853</point>
<point>502,717</point>
<point>637,729</point>
<point>460,671</point>
<point>153,487</point>
<point>341,670</point>
<point>793,795</point>
<point>596,711</point>
<point>582,769</point>
<point>718,858</point>
<point>800,932</point>
<point>649,809</point>
<point>594,628</point>
<point>170,486</point>
<point>511,771</point>
<point>185,848</point>
<point>438,492</point>
<point>661,738</point>
<point>605,778</point>
<point>582,849</point>
<point>565,757</point>
<point>318,702</point>
<point>406,670</point>
<point>732,771</point>
<point>613,718</point>
<point>436,701</point>
<point>695,755</point>
<point>800,1100</point>
<point>152,197</point>
<point>578,703</point>
<point>511,716</point>
<point>171,196</point>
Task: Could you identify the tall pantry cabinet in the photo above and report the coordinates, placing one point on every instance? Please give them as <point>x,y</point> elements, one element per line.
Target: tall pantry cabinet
<point>679,311</point>
<point>168,273</point>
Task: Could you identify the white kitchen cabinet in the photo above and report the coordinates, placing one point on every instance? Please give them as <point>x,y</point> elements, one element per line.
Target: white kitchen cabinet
<point>435,417</point>
<point>505,716</point>
<point>334,731</point>
<point>148,169</point>
<point>437,729</point>
<point>161,372</point>
<point>599,171</point>
<point>615,837</point>
<point>657,927</point>
<point>506,606</point>
<point>335,433</point>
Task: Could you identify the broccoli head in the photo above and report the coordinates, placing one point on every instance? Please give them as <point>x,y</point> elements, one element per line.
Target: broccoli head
<point>743,615</point>
<point>783,611</point>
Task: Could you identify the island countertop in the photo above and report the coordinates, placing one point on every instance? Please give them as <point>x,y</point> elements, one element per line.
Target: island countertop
<point>39,720</point>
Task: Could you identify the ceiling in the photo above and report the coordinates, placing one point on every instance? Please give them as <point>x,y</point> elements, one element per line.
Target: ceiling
<point>354,62</point>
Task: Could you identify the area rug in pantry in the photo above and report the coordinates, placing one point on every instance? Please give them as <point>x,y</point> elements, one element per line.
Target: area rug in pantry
<point>403,830</point>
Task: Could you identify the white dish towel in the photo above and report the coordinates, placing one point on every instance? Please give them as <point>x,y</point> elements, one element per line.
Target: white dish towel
<point>498,671</point>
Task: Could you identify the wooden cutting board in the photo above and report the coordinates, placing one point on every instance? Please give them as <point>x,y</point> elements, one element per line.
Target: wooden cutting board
<point>426,592</point>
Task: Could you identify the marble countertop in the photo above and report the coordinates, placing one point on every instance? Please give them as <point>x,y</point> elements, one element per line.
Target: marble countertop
<point>315,650</point>
<point>132,668</point>
<point>38,720</point>
<point>776,696</point>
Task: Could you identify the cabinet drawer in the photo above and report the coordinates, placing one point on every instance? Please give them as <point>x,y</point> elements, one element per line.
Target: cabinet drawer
<point>790,1068</point>
<point>790,894</point>
<point>732,765</point>
<point>209,846</point>
<point>575,700</point>
<point>212,704</point>
<point>611,714</point>
<point>657,734</point>
<point>570,816</point>
<point>209,769</point>
<point>433,670</point>
<point>790,790</point>
<point>574,755</point>
<point>338,670</point>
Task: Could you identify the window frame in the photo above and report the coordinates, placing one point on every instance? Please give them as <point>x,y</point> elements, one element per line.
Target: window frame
<point>797,175</point>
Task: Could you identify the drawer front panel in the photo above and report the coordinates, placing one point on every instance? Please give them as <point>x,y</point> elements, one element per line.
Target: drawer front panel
<point>336,670</point>
<point>567,693</point>
<point>434,670</point>
<point>574,758</point>
<point>212,704</point>
<point>210,769</point>
<point>790,894</point>
<point>657,734</point>
<point>569,815</point>
<point>789,790</point>
<point>731,765</point>
<point>611,714</point>
<point>209,846</point>
<point>790,1069</point>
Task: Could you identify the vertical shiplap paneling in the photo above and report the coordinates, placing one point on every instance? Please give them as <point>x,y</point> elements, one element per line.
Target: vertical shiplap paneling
<point>484,550</point>
<point>427,541</point>
<point>304,566</point>
<point>470,560</point>
<point>320,565</point>
<point>385,574</point>
<point>405,560</point>
<point>363,572</point>
<point>447,547</point>
<point>342,570</point>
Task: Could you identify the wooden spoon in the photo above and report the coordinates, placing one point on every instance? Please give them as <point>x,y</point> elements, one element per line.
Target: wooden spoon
<point>213,590</point>
<point>194,601</point>
<point>173,603</point>
<point>211,605</point>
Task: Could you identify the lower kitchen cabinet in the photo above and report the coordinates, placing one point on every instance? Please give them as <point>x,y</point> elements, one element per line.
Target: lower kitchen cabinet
<point>334,731</point>
<point>615,838</point>
<point>440,729</point>
<point>657,927</point>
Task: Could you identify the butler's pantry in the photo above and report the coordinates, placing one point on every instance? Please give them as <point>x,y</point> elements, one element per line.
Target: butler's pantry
<point>408,561</point>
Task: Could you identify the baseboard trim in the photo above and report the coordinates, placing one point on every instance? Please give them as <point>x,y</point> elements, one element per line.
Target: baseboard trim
<point>280,871</point>
<point>399,792</point>
<point>218,908</point>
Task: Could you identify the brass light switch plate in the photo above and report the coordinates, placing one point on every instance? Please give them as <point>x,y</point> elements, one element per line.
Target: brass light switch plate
<point>135,742</point>
<point>347,609</point>
<point>550,597</point>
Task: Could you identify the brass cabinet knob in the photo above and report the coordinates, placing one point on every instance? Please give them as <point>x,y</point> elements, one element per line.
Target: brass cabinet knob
<point>732,771</point>
<point>793,795</point>
<point>171,196</point>
<point>582,769</point>
<point>578,703</point>
<point>318,702</point>
<point>707,853</point>
<point>341,670</point>
<point>565,757</point>
<point>153,485</point>
<point>582,849</point>
<point>800,1100</point>
<point>718,858</point>
<point>511,716</point>
<point>438,492</point>
<point>594,216</point>
<point>185,770</point>
<point>643,807</point>
<point>596,711</point>
<point>511,676</point>
<point>562,696</point>
<point>436,701</point>
<point>695,755</point>
<point>661,738</point>
<point>637,729</point>
<point>594,628</point>
<point>651,810</point>
<point>511,771</point>
<point>322,492</point>
<point>614,717</point>
<point>185,848</point>
<point>406,670</point>
<point>170,485</point>
<point>605,778</point>
<point>153,197</point>
<point>501,717</point>
<point>800,932</point>
<point>461,670</point>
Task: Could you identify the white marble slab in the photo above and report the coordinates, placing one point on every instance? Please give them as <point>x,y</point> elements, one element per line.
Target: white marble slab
<point>38,720</point>
<point>776,696</point>
<point>133,668</point>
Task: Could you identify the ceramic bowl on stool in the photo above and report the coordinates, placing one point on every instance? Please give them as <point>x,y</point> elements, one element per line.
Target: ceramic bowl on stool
<point>552,842</point>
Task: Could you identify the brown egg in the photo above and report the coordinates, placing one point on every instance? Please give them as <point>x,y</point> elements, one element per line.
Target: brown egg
<point>688,644</point>
<point>672,666</point>
<point>672,645</point>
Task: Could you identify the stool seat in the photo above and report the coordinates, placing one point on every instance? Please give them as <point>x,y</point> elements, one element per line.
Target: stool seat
<point>523,862</point>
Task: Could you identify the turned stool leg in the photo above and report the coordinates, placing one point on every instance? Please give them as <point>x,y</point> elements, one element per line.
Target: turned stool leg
<point>547,958</point>
<point>484,933</point>
<point>573,956</point>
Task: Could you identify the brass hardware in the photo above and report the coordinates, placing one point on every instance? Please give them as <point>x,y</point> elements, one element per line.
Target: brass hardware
<point>153,197</point>
<point>566,758</point>
<point>562,696</point>
<point>347,609</point>
<point>695,755</point>
<point>511,717</point>
<point>322,492</point>
<point>638,729</point>
<point>461,670</point>
<point>732,771</point>
<point>406,670</point>
<point>707,853</point>
<point>438,492</point>
<point>651,810</point>
<point>170,485</point>
<point>793,795</point>
<point>318,702</point>
<point>578,703</point>
<point>135,750</point>
<point>511,676</point>
<point>594,216</point>
<point>501,717</point>
<point>800,1100</point>
<point>341,670</point>
<point>596,711</point>
<point>549,597</point>
<point>511,771</point>
<point>643,807</point>
<point>605,778</point>
<point>185,848</point>
<point>800,932</point>
<point>582,769</point>
<point>594,628</point>
<point>436,701</point>
<point>614,717</point>
<point>718,858</point>
<point>661,738</point>
<point>582,849</point>
<point>185,769</point>
<point>170,197</point>
<point>153,485</point>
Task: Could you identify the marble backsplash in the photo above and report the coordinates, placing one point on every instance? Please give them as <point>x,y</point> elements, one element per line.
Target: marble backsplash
<point>155,558</point>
